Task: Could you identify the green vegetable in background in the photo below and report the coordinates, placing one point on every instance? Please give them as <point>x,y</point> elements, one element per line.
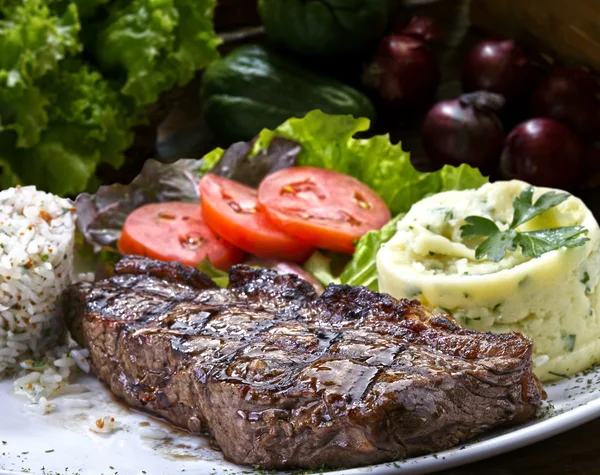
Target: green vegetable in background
<point>324,28</point>
<point>532,243</point>
<point>33,40</point>
<point>253,88</point>
<point>87,124</point>
<point>156,44</point>
<point>101,216</point>
<point>362,269</point>
<point>76,75</point>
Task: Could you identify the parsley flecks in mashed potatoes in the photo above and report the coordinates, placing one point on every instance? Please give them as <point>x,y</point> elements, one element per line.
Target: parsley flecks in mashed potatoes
<point>553,298</point>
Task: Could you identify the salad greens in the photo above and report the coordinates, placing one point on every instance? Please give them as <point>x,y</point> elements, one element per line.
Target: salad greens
<point>101,216</point>
<point>155,44</point>
<point>240,164</point>
<point>329,142</point>
<point>532,243</point>
<point>219,277</point>
<point>76,76</point>
<point>318,140</point>
<point>362,269</point>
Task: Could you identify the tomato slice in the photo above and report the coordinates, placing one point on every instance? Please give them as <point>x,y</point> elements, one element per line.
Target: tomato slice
<point>231,210</point>
<point>176,231</point>
<point>327,209</point>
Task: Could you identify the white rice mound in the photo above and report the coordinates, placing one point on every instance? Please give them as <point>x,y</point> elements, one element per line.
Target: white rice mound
<point>37,232</point>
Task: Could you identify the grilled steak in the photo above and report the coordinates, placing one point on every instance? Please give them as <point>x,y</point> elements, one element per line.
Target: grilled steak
<point>281,377</point>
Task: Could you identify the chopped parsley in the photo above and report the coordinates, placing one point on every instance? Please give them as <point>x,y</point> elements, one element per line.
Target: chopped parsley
<point>38,362</point>
<point>532,243</point>
<point>569,342</point>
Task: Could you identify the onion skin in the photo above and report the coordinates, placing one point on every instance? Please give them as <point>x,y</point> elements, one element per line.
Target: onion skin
<point>580,76</point>
<point>423,28</point>
<point>591,167</point>
<point>567,95</point>
<point>543,152</point>
<point>404,75</point>
<point>465,130</point>
<point>499,66</point>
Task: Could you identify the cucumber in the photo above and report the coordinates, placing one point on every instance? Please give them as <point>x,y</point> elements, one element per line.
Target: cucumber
<point>253,88</point>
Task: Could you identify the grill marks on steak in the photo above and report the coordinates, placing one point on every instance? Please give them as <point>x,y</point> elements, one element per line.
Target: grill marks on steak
<point>282,378</point>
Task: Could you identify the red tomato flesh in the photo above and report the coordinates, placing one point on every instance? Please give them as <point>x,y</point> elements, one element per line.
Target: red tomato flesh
<point>327,209</point>
<point>231,210</point>
<point>176,231</point>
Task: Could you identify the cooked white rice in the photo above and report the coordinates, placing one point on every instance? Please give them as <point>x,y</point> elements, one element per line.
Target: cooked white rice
<point>52,375</point>
<point>37,232</point>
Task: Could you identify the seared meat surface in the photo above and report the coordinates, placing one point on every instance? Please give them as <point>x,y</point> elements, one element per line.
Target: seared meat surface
<point>281,377</point>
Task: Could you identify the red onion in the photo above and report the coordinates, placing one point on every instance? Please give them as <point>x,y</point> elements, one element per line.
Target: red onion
<point>498,66</point>
<point>423,28</point>
<point>582,77</point>
<point>404,74</point>
<point>568,96</point>
<point>543,152</point>
<point>591,167</point>
<point>285,267</point>
<point>465,130</point>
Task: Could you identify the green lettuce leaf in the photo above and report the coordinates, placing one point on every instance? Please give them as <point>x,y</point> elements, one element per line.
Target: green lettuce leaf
<point>156,44</point>
<point>362,269</point>
<point>87,124</point>
<point>59,162</point>
<point>219,277</point>
<point>32,43</point>
<point>329,142</point>
<point>81,97</point>
<point>320,265</point>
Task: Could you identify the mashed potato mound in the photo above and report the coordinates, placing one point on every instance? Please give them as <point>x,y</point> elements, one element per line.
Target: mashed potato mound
<point>553,299</point>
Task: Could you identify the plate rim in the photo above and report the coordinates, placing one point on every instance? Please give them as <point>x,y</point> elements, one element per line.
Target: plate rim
<point>497,445</point>
<point>457,456</point>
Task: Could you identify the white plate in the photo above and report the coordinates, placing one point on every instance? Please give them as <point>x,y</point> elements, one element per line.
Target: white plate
<point>62,442</point>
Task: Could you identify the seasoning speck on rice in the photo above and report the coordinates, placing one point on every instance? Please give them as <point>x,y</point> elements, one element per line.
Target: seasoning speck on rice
<point>37,232</point>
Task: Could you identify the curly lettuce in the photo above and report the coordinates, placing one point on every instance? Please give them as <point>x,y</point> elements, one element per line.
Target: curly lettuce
<point>87,124</point>
<point>156,44</point>
<point>80,97</point>
<point>32,43</point>
<point>64,111</point>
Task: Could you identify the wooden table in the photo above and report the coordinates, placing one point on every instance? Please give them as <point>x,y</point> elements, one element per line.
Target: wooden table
<point>576,452</point>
